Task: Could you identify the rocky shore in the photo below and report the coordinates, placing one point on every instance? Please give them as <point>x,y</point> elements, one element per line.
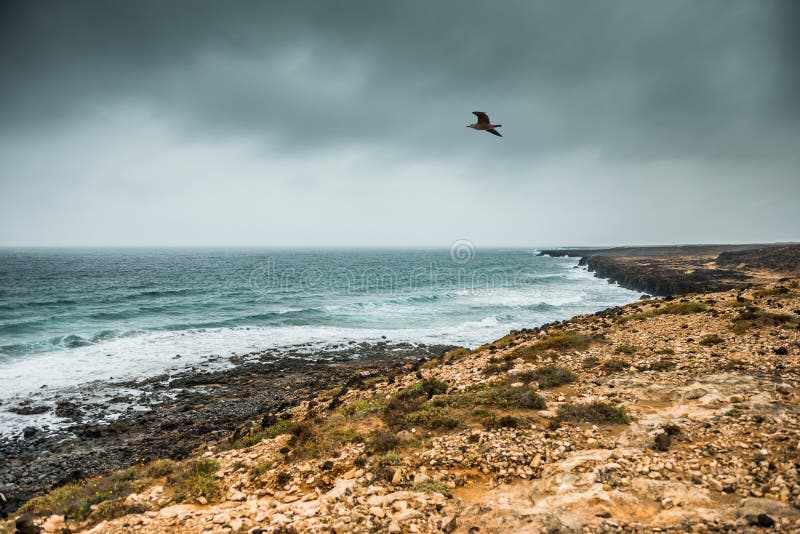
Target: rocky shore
<point>673,414</point>
<point>677,270</point>
<point>170,416</point>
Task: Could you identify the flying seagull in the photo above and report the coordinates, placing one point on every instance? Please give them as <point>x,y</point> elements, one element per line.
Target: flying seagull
<point>484,124</point>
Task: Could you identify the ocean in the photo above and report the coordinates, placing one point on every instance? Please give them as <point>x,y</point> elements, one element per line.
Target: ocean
<point>73,316</point>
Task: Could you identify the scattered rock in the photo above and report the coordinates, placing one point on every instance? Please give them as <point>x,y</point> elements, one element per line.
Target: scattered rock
<point>662,441</point>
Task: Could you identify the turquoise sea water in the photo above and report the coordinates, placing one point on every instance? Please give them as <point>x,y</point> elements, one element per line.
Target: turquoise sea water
<point>69,316</point>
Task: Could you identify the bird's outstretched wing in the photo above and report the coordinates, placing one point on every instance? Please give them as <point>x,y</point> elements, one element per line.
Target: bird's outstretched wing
<point>495,132</point>
<point>483,118</point>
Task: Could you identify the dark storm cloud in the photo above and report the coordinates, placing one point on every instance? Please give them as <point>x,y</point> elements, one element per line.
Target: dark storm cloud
<point>342,122</point>
<point>633,79</point>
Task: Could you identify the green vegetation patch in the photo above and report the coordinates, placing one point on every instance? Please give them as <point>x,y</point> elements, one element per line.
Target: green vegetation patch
<point>159,468</point>
<point>410,400</point>
<point>95,499</point>
<point>390,458</point>
<point>361,408</point>
<point>563,340</point>
<point>614,365</point>
<point>432,486</point>
<point>556,341</point>
<point>261,468</point>
<point>497,368</point>
<point>772,292</point>
<point>590,362</point>
<point>493,422</point>
<point>282,426</point>
<point>594,412</point>
<point>500,395</point>
<point>444,412</point>
<point>435,418</point>
<point>194,479</point>
<point>382,441</point>
<point>626,349</point>
<point>549,376</point>
<point>754,317</point>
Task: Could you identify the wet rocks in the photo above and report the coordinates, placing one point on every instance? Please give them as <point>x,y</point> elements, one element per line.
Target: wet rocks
<point>29,409</point>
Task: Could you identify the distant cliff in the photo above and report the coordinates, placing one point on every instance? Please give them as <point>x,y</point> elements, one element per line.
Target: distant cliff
<point>676,270</point>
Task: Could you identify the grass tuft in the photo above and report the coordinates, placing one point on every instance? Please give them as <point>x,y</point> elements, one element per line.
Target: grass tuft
<point>614,365</point>
<point>159,468</point>
<point>410,400</point>
<point>382,442</point>
<point>549,376</point>
<point>754,317</point>
<point>82,501</point>
<point>195,479</point>
<point>594,412</point>
<point>432,486</point>
<point>434,418</point>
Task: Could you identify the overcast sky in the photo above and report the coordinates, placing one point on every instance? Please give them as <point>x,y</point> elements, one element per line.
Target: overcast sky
<point>342,123</point>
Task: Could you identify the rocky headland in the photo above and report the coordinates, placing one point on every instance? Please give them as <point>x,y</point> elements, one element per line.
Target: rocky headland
<point>670,414</point>
<point>676,270</point>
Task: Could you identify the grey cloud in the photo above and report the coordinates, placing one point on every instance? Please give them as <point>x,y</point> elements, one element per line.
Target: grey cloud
<point>652,78</point>
<point>706,88</point>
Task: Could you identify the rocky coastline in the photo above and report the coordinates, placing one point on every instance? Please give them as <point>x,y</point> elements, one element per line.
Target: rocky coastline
<point>673,414</point>
<point>678,270</point>
<point>171,416</point>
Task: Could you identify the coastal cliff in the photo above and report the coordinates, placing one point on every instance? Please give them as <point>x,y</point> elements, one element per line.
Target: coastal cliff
<point>678,270</point>
<point>680,414</point>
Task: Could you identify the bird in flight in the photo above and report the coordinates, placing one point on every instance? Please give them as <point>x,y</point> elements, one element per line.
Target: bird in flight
<point>484,124</point>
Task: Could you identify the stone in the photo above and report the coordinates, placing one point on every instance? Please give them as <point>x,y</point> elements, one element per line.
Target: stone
<point>280,519</point>
<point>237,496</point>
<point>662,442</point>
<point>695,393</point>
<point>419,478</point>
<point>377,511</point>
<point>762,512</point>
<point>399,506</point>
<point>763,520</point>
<point>449,523</point>
<point>54,523</point>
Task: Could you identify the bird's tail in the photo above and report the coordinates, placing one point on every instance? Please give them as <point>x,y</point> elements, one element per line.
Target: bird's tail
<point>496,125</point>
